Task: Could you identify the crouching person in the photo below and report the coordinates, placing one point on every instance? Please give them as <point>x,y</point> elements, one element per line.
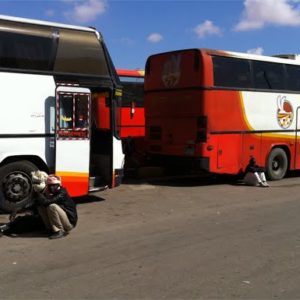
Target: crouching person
<point>255,175</point>
<point>56,208</point>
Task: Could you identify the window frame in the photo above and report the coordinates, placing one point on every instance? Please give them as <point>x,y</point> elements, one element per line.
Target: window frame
<point>285,79</point>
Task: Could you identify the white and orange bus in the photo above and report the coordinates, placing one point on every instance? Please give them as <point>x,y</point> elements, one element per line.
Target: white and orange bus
<point>54,78</point>
<point>213,110</point>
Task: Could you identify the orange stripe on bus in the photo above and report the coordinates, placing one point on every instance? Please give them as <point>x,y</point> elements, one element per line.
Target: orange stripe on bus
<point>76,183</point>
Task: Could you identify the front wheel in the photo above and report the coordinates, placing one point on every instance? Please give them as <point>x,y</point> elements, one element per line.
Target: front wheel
<point>277,164</point>
<point>16,185</point>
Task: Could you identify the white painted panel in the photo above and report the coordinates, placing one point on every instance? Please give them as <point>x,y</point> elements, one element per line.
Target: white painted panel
<point>72,156</point>
<point>118,156</point>
<point>25,102</point>
<point>40,147</point>
<point>271,111</point>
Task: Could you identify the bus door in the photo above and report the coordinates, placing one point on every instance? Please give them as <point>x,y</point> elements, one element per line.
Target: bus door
<point>297,141</point>
<point>72,159</point>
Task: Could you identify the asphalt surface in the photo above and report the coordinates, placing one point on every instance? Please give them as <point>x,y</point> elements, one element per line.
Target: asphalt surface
<point>192,238</point>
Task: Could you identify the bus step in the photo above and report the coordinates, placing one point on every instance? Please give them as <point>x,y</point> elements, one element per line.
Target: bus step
<point>98,189</point>
<point>96,184</point>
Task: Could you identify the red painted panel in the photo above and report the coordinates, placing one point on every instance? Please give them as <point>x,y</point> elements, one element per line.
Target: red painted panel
<point>102,112</point>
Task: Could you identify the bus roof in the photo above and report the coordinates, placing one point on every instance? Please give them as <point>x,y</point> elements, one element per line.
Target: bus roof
<point>288,59</point>
<point>45,23</point>
<point>285,59</point>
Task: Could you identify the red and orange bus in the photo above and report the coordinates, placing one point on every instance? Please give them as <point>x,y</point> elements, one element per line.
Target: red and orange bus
<point>132,116</point>
<point>131,124</point>
<point>213,110</point>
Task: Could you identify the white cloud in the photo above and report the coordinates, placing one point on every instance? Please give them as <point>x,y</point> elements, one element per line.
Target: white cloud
<point>155,37</point>
<point>127,41</point>
<point>258,13</point>
<point>258,51</point>
<point>86,11</point>
<point>50,13</point>
<point>205,29</point>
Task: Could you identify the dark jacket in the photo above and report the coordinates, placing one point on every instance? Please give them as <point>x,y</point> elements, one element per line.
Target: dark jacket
<point>62,199</point>
<point>252,168</point>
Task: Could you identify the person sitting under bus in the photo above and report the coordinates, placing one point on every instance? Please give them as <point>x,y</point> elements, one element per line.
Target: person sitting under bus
<point>25,219</point>
<point>255,175</point>
<point>56,208</point>
<point>52,209</point>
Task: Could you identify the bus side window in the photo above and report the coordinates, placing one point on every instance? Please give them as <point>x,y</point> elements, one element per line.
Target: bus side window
<point>65,111</point>
<point>231,72</point>
<point>293,77</point>
<point>268,75</point>
<point>81,111</point>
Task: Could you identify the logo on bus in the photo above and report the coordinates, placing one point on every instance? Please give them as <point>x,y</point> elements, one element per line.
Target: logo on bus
<point>171,71</point>
<point>285,112</point>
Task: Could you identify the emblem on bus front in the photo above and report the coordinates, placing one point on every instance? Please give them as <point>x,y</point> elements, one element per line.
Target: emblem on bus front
<point>285,112</point>
<point>171,71</point>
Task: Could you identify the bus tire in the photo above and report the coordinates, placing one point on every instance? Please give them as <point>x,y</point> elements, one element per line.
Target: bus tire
<point>16,185</point>
<point>277,164</point>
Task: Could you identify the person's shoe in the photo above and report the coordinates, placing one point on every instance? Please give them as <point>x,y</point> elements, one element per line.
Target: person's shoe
<point>4,227</point>
<point>263,184</point>
<point>57,235</point>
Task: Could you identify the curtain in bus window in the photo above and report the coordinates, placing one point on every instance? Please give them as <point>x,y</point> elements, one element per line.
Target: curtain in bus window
<point>25,46</point>
<point>268,75</point>
<point>66,111</point>
<point>231,72</point>
<point>81,111</point>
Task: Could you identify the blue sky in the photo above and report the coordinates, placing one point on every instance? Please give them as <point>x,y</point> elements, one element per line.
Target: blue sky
<point>135,29</point>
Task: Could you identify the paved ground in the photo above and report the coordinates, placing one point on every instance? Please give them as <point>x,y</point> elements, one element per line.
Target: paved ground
<point>174,239</point>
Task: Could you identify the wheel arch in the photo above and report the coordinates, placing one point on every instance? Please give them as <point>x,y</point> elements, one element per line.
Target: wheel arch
<point>36,160</point>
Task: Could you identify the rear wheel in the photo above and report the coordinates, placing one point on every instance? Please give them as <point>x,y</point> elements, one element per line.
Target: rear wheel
<point>277,164</point>
<point>16,185</point>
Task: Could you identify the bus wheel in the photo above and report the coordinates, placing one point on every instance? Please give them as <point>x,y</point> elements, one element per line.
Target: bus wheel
<point>16,185</point>
<point>277,164</point>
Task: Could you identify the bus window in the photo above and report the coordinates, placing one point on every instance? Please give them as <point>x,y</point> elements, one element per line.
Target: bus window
<point>65,111</point>
<point>132,92</point>
<point>26,46</point>
<point>81,111</point>
<point>268,75</point>
<point>231,72</point>
<point>293,77</point>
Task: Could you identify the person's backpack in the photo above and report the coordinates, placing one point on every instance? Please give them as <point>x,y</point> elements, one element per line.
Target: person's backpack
<point>250,179</point>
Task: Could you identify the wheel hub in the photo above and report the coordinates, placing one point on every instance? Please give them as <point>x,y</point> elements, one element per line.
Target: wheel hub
<point>16,187</point>
<point>275,165</point>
